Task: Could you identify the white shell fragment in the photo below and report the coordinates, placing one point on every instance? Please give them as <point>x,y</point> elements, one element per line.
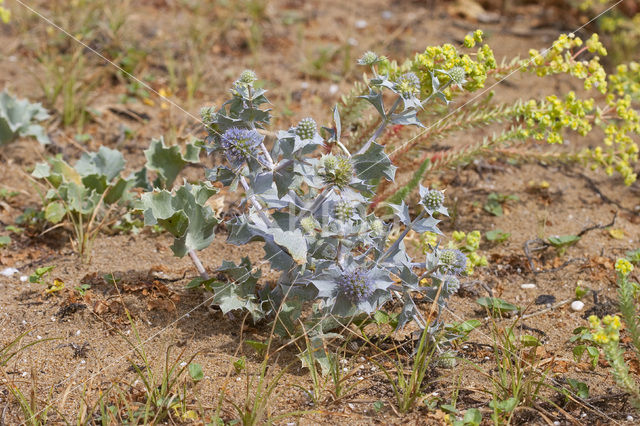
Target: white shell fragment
<point>7,272</point>
<point>577,305</point>
<point>527,286</point>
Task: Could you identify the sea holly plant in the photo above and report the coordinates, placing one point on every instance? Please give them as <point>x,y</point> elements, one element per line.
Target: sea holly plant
<point>307,199</point>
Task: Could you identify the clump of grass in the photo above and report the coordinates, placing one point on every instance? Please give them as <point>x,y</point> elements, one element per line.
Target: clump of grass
<point>407,380</point>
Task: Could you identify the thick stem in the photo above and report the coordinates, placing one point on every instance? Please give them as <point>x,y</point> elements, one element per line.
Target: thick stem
<point>196,261</point>
<point>267,156</point>
<point>255,202</point>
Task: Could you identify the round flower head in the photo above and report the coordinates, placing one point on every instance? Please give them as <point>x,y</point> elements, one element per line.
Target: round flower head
<point>306,128</point>
<point>453,261</point>
<point>336,170</point>
<point>377,227</point>
<point>369,58</point>
<point>308,224</point>
<point>450,284</point>
<point>408,85</point>
<point>355,285</point>
<point>433,199</point>
<point>207,113</point>
<point>457,75</point>
<point>343,210</point>
<point>247,77</point>
<point>240,144</point>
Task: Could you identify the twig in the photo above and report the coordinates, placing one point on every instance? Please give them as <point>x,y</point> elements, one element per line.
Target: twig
<point>598,226</point>
<point>542,311</point>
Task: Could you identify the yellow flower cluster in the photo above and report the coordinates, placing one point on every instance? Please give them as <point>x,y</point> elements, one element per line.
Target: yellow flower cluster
<point>605,331</point>
<point>547,119</point>
<point>617,118</point>
<point>623,266</point>
<point>445,58</point>
<point>5,14</point>
<point>560,58</point>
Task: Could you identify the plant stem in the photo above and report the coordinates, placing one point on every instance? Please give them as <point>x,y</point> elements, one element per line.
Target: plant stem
<point>255,202</point>
<point>196,261</point>
<point>397,242</point>
<point>385,121</point>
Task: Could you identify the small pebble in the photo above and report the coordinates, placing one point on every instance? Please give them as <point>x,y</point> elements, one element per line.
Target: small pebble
<point>629,418</point>
<point>7,272</point>
<point>24,278</point>
<point>361,23</point>
<point>557,423</point>
<point>77,332</point>
<point>333,89</point>
<point>527,286</point>
<point>386,14</point>
<point>577,305</point>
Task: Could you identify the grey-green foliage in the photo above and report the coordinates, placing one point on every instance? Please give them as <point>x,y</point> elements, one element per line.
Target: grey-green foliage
<point>19,117</point>
<point>184,214</point>
<point>168,162</point>
<point>83,194</point>
<point>311,214</point>
<point>91,191</point>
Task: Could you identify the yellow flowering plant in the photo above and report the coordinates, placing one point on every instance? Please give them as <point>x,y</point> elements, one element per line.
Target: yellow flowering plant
<point>609,102</point>
<point>606,332</point>
<point>5,14</point>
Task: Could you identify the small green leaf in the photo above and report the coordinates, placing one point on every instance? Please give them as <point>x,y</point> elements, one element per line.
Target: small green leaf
<point>493,207</point>
<point>528,340</point>
<point>472,417</point>
<point>581,389</point>
<point>195,372</point>
<point>448,408</point>
<point>259,347</point>
<point>55,212</point>
<point>5,240</point>
<point>240,364</point>
<point>496,305</point>
<point>497,236</point>
<point>563,241</point>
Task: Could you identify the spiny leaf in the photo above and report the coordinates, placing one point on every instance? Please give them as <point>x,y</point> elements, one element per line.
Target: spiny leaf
<point>168,162</point>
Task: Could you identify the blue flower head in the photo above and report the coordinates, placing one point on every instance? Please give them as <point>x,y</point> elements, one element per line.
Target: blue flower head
<point>450,284</point>
<point>240,145</point>
<point>452,261</point>
<point>356,285</point>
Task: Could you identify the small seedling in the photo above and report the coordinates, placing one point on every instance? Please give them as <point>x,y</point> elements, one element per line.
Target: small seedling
<point>495,202</point>
<point>497,236</point>
<point>496,306</point>
<point>82,289</point>
<point>561,243</point>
